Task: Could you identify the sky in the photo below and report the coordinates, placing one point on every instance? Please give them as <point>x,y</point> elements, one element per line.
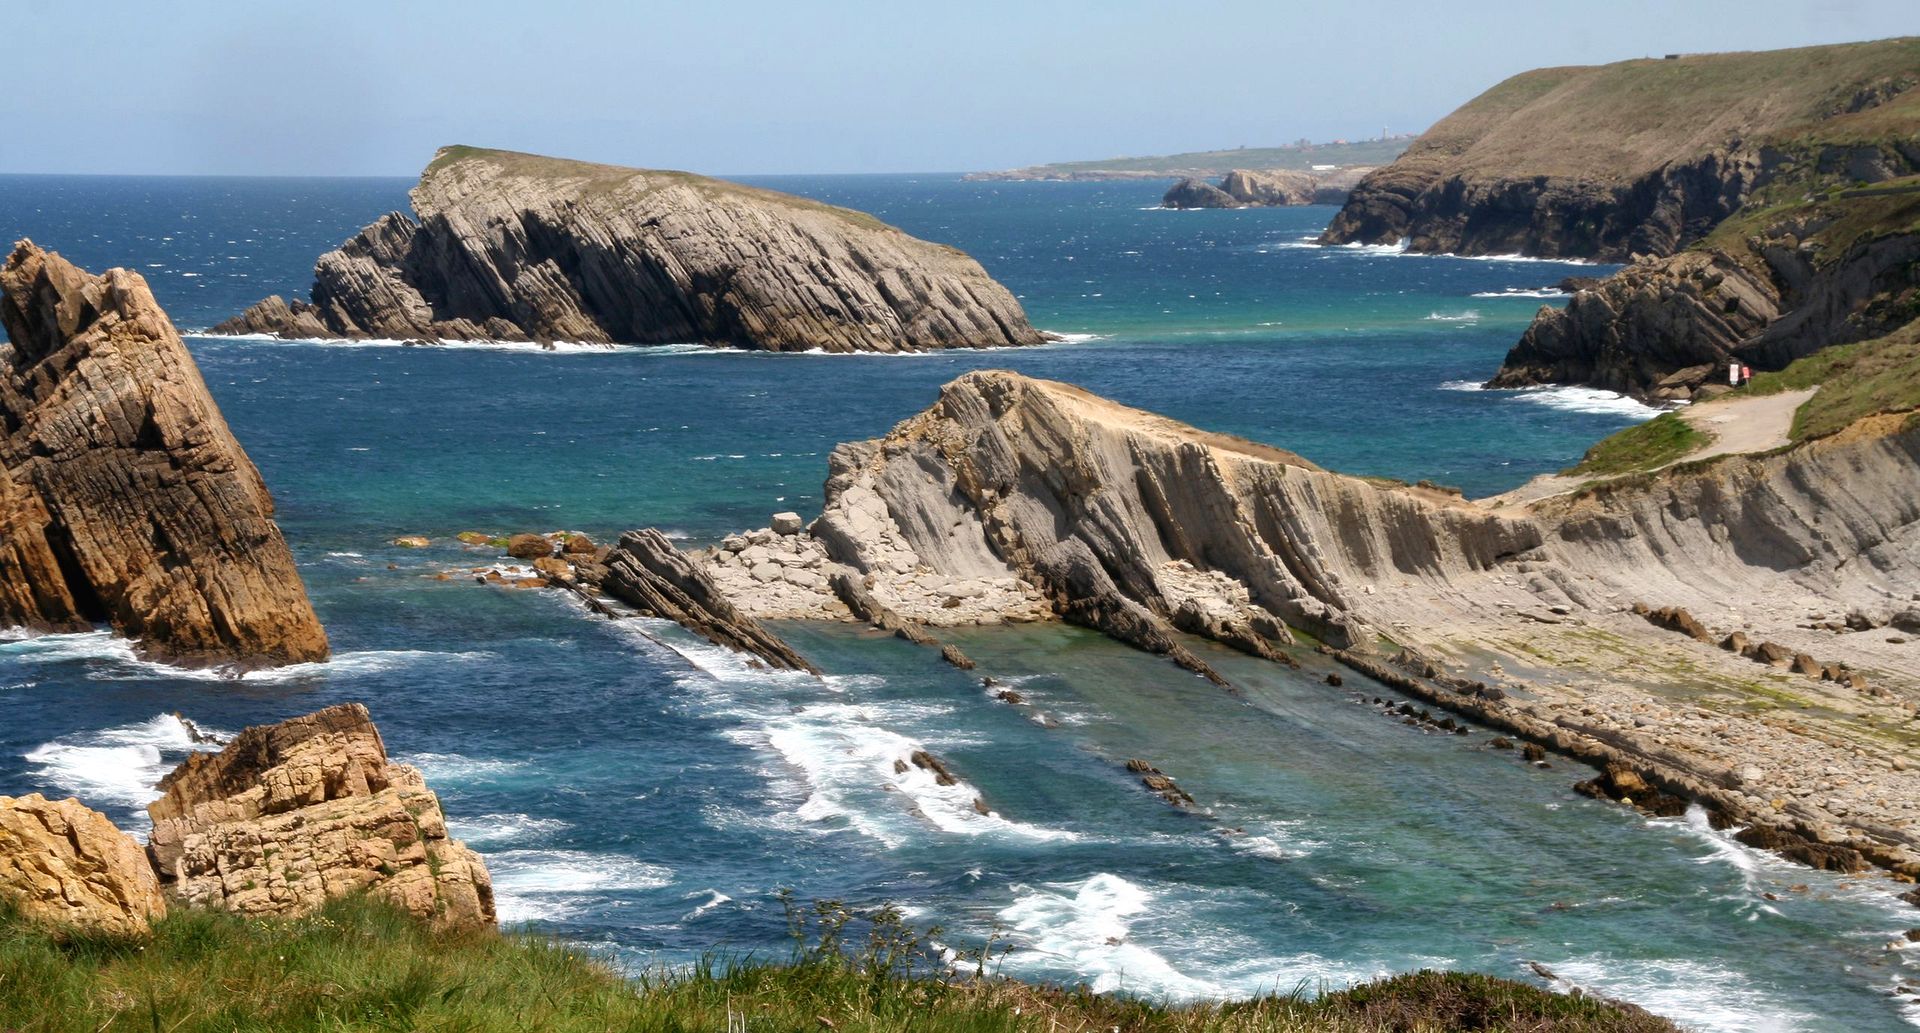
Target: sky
<point>373,87</point>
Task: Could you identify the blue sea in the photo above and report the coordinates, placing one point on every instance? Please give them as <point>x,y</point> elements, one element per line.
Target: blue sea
<point>648,794</point>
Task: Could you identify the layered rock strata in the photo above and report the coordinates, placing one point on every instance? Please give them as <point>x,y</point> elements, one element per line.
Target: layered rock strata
<point>67,867</point>
<point>1640,157</point>
<point>1265,188</point>
<point>291,815</point>
<point>1828,273</point>
<point>645,571</point>
<point>1046,501</point>
<point>516,247</point>
<point>124,498</point>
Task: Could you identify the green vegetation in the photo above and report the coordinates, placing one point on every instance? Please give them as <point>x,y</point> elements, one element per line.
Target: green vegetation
<point>1622,120</point>
<point>1645,446</point>
<point>358,965</point>
<point>1219,163</point>
<point>1855,381</point>
<point>592,178</point>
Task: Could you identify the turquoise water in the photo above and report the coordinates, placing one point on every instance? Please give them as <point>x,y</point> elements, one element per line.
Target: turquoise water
<point>654,798</point>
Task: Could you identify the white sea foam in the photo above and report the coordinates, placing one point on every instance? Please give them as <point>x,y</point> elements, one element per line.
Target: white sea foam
<point>1469,316</point>
<point>548,885</point>
<point>1401,250</point>
<point>1276,841</point>
<point>1697,994</point>
<point>715,898</point>
<point>115,659</point>
<point>1066,338</point>
<point>120,766</point>
<point>1587,400</point>
<point>455,767</point>
<point>1524,292</point>
<point>1086,928</point>
<point>557,348</point>
<point>489,830</point>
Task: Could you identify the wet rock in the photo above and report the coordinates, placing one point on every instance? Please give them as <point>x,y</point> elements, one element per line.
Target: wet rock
<point>1160,784</point>
<point>412,541</point>
<point>647,572</point>
<point>529,546</point>
<point>952,655</point>
<point>578,545</point>
<point>1619,782</point>
<point>67,867</point>
<point>931,764</point>
<point>1795,846</point>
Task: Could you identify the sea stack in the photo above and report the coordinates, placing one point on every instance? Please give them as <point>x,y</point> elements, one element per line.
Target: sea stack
<point>518,247</point>
<point>1640,157</point>
<point>125,499</point>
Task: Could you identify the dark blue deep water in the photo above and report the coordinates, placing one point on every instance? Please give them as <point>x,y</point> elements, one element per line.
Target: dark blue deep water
<point>655,798</point>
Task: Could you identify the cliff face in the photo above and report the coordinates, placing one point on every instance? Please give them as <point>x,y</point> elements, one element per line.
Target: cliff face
<point>125,499</point>
<point>523,248</point>
<point>1640,157</point>
<point>1263,188</point>
<point>291,815</point>
<point>1764,289</point>
<point>66,865</point>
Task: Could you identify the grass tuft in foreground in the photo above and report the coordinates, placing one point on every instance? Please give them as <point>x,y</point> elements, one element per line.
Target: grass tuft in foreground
<point>363,965</point>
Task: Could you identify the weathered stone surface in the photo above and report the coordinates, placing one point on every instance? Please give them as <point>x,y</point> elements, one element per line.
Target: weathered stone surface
<point>529,546</point>
<point>519,247</point>
<point>646,571</point>
<point>68,867</point>
<point>1261,188</point>
<point>1197,193</point>
<point>290,815</point>
<point>124,498</point>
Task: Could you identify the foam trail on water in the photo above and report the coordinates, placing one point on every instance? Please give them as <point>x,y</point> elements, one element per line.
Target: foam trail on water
<point>548,885</point>
<point>1696,994</point>
<point>120,766</point>
<point>1587,400</point>
<point>488,830</point>
<point>115,659</point>
<point>1524,292</point>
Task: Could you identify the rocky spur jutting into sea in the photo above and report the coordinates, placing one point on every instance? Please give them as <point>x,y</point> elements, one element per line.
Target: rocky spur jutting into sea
<point>631,786</point>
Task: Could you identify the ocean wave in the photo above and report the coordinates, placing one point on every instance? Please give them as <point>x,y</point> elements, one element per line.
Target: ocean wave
<point>1086,928</point>
<point>1080,338</point>
<point>117,660</point>
<point>120,766</point>
<point>550,885</point>
<point>1402,250</point>
<point>557,348</point>
<point>1524,292</point>
<point>715,898</point>
<point>1469,316</point>
<point>1699,995</point>
<point>487,830</point>
<point>1587,400</point>
<point>456,767</point>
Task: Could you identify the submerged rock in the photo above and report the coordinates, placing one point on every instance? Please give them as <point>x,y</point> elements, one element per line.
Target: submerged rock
<point>520,247</point>
<point>124,498</point>
<point>291,815</point>
<point>66,866</point>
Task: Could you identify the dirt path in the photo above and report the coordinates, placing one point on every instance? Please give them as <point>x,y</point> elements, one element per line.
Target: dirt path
<point>1738,423</point>
<point>1745,423</point>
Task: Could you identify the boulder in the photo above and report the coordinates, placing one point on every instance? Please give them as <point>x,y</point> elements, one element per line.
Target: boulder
<point>578,545</point>
<point>788,523</point>
<point>67,866</point>
<point>124,497</point>
<point>553,567</point>
<point>529,546</point>
<point>291,815</point>
<point>1197,193</point>
<point>412,541</point>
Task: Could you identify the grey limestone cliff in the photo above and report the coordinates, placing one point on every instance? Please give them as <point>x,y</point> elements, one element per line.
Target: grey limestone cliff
<point>516,247</point>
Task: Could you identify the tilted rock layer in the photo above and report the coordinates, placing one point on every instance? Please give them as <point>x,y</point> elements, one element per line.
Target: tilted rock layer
<point>1265,188</point>
<point>518,247</point>
<point>1763,291</point>
<point>291,815</point>
<point>124,498</point>
<point>68,867</point>
<point>1640,156</point>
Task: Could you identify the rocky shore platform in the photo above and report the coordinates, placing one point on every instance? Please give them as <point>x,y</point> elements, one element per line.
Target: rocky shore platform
<point>1734,632</point>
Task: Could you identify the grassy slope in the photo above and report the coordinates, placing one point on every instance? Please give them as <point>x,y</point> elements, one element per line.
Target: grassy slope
<point>1215,163</point>
<point>1614,122</point>
<point>361,966</point>
<point>1655,443</point>
<point>1855,380</point>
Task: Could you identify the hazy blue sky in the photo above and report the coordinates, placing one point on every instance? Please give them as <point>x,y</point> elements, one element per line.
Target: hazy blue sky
<point>743,86</point>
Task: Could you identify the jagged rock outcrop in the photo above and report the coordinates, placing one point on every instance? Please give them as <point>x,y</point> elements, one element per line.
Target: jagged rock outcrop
<point>518,247</point>
<point>1262,188</point>
<point>67,866</point>
<point>645,571</point>
<point>1640,157</point>
<point>291,815</point>
<point>1825,272</point>
<point>124,498</point>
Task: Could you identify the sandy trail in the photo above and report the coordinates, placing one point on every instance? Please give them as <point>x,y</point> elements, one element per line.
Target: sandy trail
<point>1736,423</point>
